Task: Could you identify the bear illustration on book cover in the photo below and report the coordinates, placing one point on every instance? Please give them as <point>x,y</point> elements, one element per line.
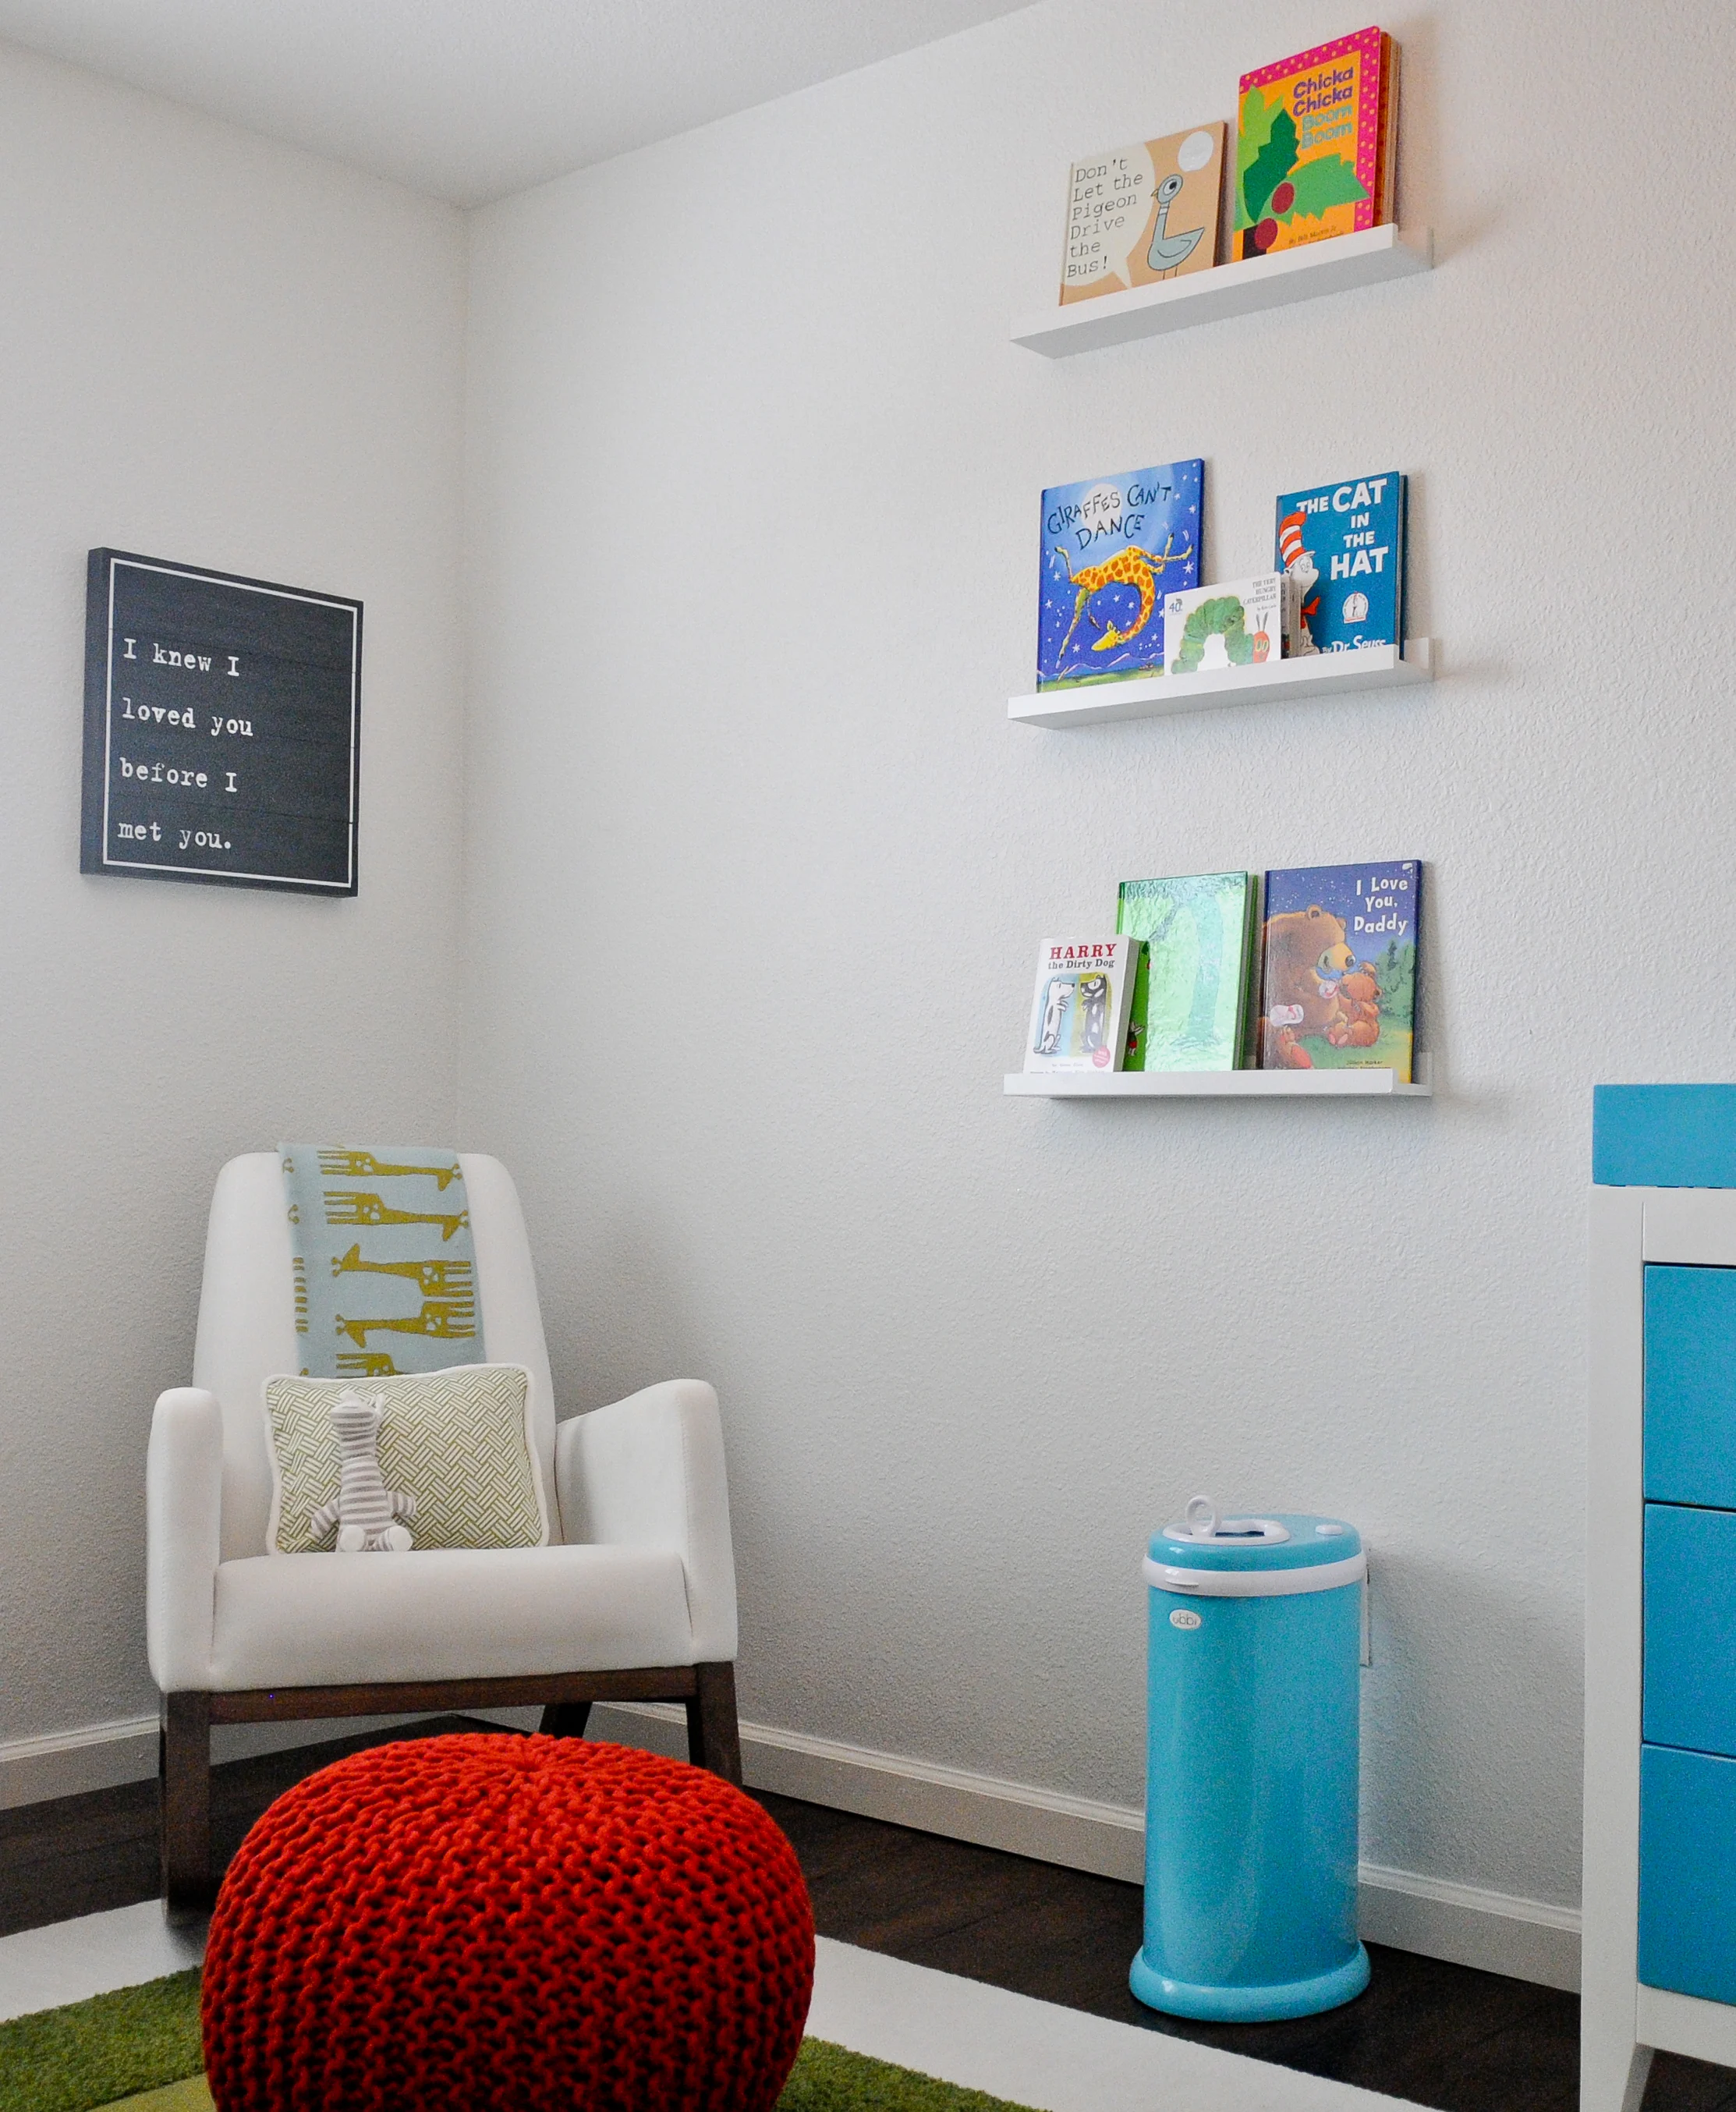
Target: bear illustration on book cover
<point>1338,962</point>
<point>1113,547</point>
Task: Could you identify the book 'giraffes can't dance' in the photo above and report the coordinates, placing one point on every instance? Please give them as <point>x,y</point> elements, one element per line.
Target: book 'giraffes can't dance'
<point>1113,547</point>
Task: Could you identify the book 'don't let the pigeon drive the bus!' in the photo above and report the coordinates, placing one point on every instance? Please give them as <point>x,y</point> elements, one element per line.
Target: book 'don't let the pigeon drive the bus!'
<point>1080,1008</point>
<point>1112,547</point>
<point>1143,213</point>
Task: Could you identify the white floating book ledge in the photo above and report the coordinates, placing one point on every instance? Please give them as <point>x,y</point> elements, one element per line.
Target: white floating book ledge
<point>1313,674</point>
<point>1216,1085</point>
<point>1363,259</point>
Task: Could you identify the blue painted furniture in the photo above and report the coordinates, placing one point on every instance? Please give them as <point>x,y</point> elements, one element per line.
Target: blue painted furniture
<point>1691,1386</point>
<point>1687,1857</point>
<point>1664,1136</point>
<point>1659,1941</point>
<point>1251,1774</point>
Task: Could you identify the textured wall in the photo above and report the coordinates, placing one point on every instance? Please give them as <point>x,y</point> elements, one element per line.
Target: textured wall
<point>219,350</point>
<point>758,869</point>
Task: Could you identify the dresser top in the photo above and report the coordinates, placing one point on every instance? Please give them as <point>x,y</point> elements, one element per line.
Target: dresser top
<point>1664,1136</point>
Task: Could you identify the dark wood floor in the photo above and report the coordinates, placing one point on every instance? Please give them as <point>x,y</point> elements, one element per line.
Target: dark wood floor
<point>1439,2035</point>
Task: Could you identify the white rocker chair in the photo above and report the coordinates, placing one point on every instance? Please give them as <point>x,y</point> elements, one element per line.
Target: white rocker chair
<point>636,1602</point>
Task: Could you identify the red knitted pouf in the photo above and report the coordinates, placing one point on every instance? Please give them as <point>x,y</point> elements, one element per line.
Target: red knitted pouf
<point>513,1922</point>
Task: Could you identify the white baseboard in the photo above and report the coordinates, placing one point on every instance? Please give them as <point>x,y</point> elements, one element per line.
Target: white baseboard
<point>69,1762</point>
<point>1525,1939</point>
<point>105,1755</point>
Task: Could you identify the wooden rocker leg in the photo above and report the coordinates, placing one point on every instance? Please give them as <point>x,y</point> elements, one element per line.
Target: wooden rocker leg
<point>713,1737</point>
<point>566,1719</point>
<point>183,1765</point>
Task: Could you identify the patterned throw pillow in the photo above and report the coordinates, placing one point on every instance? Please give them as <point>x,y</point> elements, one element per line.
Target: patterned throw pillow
<point>459,1441</point>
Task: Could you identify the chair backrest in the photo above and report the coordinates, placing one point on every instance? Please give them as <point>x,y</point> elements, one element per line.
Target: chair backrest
<point>247,1322</point>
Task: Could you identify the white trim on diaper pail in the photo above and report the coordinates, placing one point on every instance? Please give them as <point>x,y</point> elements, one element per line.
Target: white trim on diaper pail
<point>1256,1583</point>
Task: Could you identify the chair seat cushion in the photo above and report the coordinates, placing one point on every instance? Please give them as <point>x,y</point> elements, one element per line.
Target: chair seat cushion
<point>343,1620</point>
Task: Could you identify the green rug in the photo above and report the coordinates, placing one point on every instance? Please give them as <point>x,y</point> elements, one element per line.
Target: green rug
<point>139,2048</point>
<point>93,2053</point>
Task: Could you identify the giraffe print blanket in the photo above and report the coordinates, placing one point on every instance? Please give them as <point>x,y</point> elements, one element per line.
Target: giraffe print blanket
<point>386,1273</point>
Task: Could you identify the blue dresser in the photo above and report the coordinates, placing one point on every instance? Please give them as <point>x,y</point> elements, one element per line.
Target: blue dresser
<point>1659,1943</point>
<point>1688,1761</point>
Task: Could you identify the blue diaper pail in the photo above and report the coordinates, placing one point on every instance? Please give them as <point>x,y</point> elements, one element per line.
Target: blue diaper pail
<point>1252,1767</point>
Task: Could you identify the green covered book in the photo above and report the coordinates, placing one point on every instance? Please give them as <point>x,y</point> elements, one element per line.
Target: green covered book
<point>1191,1009</point>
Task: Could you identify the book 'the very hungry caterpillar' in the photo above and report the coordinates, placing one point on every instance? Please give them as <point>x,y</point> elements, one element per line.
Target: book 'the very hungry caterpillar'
<point>1143,213</point>
<point>1240,623</point>
<point>1338,963</point>
<point>1190,990</point>
<point>1112,547</point>
<point>1079,1011</point>
<point>1316,144</point>
<point>1342,547</point>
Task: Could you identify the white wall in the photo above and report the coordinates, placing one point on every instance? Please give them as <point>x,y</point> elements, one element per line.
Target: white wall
<point>220,350</point>
<point>758,869</point>
<point>751,562</point>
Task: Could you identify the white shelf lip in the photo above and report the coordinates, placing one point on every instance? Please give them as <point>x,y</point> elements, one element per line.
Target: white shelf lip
<point>1213,1085</point>
<point>1363,259</point>
<point>1147,696</point>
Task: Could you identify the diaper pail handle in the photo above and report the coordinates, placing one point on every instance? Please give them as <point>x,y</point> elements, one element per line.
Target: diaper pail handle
<point>1201,1517</point>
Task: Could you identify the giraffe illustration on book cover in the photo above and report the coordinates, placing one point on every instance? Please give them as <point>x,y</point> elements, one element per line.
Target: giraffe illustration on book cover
<point>1112,547</point>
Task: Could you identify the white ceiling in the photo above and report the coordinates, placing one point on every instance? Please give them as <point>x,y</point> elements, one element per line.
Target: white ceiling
<point>470,99</point>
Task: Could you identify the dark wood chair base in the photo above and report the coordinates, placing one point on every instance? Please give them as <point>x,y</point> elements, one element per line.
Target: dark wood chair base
<point>565,1719</point>
<point>184,1771</point>
<point>184,1746</point>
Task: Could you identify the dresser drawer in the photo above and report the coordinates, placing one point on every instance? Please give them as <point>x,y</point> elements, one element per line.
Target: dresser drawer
<point>1690,1690</point>
<point>1687,1857</point>
<point>1691,1386</point>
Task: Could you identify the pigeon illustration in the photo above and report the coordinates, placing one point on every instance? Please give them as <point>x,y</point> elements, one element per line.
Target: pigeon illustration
<point>1169,252</point>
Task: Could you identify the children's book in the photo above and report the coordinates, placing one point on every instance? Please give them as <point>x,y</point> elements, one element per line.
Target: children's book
<point>1342,548</point>
<point>1338,965</point>
<point>1316,144</point>
<point>1079,1012</point>
<point>1112,547</point>
<point>1194,981</point>
<point>1240,623</point>
<point>1143,213</point>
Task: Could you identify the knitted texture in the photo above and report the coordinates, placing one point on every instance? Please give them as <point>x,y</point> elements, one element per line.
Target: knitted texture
<point>517,1923</point>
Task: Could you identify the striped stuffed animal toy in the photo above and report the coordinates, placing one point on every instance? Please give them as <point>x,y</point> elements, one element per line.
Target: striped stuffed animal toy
<point>366,1510</point>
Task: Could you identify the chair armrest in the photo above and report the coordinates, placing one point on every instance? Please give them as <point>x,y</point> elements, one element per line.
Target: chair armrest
<point>648,1472</point>
<point>183,1524</point>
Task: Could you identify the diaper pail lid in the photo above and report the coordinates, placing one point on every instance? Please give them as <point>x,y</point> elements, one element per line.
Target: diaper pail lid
<point>1265,1545</point>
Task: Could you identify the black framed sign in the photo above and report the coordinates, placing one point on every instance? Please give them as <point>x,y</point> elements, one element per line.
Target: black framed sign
<point>222,728</point>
